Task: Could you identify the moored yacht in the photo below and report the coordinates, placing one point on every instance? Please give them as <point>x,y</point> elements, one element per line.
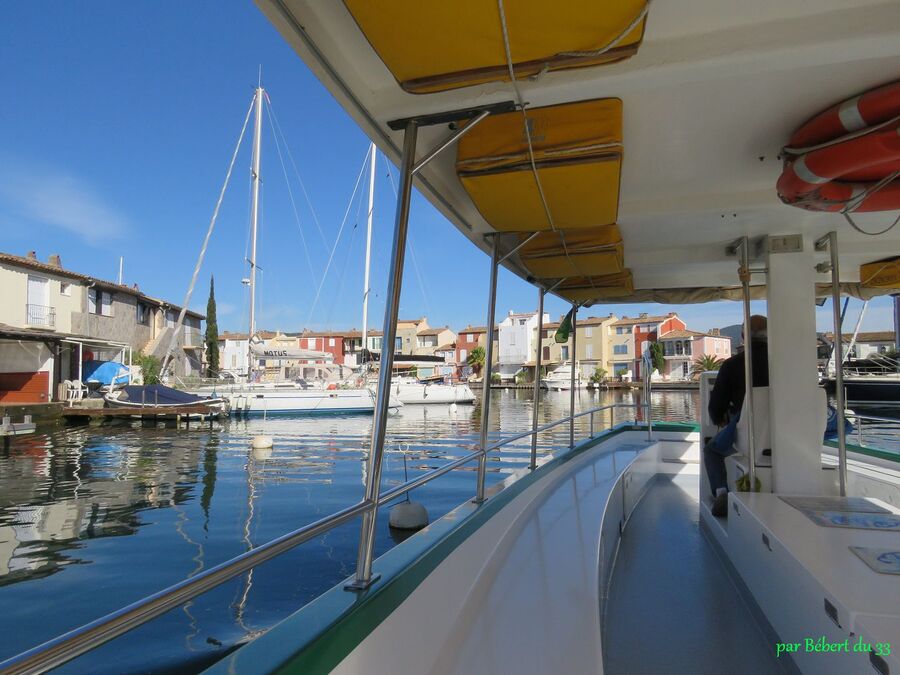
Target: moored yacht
<point>561,378</point>
<point>513,119</point>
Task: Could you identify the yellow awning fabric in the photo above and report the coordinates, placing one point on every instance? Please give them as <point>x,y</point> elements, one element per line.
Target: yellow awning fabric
<point>435,46</point>
<point>591,251</point>
<point>881,274</point>
<point>578,154</point>
<point>590,289</point>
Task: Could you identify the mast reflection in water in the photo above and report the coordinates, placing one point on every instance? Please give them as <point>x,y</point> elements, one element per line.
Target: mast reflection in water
<point>94,518</point>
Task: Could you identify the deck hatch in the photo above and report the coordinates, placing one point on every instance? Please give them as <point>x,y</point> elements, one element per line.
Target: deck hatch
<point>448,46</point>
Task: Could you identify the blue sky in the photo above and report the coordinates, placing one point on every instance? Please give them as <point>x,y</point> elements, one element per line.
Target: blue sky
<point>119,123</point>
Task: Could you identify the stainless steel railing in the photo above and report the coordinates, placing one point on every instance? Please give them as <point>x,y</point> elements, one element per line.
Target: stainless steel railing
<point>870,418</point>
<point>68,646</point>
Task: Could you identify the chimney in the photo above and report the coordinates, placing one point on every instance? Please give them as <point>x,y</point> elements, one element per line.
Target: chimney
<point>714,331</point>
<point>644,315</point>
<point>55,261</point>
<point>31,255</point>
<point>671,314</point>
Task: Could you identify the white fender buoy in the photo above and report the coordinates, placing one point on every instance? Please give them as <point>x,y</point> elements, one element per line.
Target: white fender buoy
<point>408,516</point>
<point>453,407</point>
<point>262,442</point>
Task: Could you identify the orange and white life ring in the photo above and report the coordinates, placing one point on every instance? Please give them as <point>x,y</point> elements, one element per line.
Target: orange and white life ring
<point>846,157</point>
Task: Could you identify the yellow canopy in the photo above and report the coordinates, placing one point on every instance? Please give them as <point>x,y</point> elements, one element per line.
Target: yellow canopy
<point>577,153</point>
<point>574,253</point>
<point>435,46</point>
<point>881,274</point>
<point>589,289</point>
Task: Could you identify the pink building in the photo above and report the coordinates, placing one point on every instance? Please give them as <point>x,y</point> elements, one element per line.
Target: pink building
<point>682,348</point>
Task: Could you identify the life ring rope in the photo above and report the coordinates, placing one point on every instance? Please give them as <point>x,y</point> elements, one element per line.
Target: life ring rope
<point>847,158</point>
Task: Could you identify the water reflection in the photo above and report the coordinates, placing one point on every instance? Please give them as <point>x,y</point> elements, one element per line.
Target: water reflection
<point>94,518</point>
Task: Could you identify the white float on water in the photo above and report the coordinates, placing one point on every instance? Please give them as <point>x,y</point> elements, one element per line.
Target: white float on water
<point>262,442</point>
<point>408,516</point>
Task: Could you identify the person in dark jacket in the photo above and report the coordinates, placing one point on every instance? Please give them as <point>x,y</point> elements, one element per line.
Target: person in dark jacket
<point>725,403</point>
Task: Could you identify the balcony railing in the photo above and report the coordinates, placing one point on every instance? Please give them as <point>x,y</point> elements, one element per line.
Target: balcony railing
<point>40,315</point>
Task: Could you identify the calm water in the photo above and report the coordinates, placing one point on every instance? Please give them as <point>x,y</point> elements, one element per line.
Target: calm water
<point>93,519</point>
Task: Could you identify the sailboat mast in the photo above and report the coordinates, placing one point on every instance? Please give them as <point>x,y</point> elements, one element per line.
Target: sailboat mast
<point>254,212</point>
<point>365,318</point>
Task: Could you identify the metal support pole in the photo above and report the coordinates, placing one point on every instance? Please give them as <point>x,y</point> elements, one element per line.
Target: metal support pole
<point>572,379</point>
<point>747,408</point>
<point>537,379</point>
<point>647,385</point>
<point>486,373</point>
<point>365,557</point>
<point>840,404</point>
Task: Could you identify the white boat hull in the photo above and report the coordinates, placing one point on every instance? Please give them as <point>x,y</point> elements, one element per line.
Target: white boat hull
<point>282,401</point>
<point>560,385</point>
<point>416,393</point>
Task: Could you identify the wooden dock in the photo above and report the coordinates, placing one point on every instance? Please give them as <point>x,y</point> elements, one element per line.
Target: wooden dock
<point>149,413</point>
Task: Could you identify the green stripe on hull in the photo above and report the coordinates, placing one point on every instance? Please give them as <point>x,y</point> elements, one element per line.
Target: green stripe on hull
<point>320,635</point>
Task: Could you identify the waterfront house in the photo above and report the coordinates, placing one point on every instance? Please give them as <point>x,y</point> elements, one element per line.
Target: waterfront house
<point>628,336</point>
<point>79,318</point>
<point>682,347</point>
<point>868,344</point>
<point>516,338</point>
<point>592,346</point>
<point>429,339</point>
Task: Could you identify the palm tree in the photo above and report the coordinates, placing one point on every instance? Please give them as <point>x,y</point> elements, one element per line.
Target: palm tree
<point>475,359</point>
<point>705,363</point>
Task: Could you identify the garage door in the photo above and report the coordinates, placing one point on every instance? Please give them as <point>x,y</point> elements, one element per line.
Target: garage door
<point>24,387</point>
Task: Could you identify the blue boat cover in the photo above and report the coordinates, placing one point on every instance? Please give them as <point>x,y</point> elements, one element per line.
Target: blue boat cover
<point>105,372</point>
<point>159,394</point>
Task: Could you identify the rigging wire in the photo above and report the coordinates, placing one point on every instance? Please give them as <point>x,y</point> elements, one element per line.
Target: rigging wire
<point>412,249</point>
<point>296,171</point>
<point>209,231</point>
<point>338,239</point>
<point>312,273</point>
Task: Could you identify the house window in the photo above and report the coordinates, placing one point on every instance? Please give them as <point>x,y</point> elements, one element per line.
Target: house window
<point>170,319</point>
<point>679,348</point>
<point>376,343</point>
<point>620,349</point>
<point>588,332</point>
<point>65,288</point>
<point>564,352</point>
<point>99,302</point>
<point>470,337</point>
<point>331,342</point>
<point>621,330</point>
<point>143,314</point>
<point>234,360</point>
<point>462,354</point>
<point>545,353</point>
<point>310,343</point>
<point>589,351</point>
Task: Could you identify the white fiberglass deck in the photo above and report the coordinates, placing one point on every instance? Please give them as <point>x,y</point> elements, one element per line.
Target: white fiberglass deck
<point>672,605</point>
<point>525,592</point>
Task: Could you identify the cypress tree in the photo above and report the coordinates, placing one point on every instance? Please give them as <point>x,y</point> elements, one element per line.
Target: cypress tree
<point>212,333</point>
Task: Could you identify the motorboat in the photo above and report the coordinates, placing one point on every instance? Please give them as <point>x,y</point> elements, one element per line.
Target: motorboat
<point>138,396</point>
<point>560,378</point>
<point>408,391</point>
<point>701,129</point>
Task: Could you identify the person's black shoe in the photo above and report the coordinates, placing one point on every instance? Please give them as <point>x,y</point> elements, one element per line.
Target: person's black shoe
<point>719,506</point>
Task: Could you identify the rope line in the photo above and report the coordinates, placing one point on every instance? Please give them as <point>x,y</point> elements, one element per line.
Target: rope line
<point>296,171</point>
<point>312,273</point>
<point>209,231</point>
<point>338,239</point>
<point>537,179</point>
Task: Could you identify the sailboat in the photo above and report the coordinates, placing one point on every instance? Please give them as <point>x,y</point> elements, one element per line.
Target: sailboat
<point>253,397</point>
<point>407,389</point>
